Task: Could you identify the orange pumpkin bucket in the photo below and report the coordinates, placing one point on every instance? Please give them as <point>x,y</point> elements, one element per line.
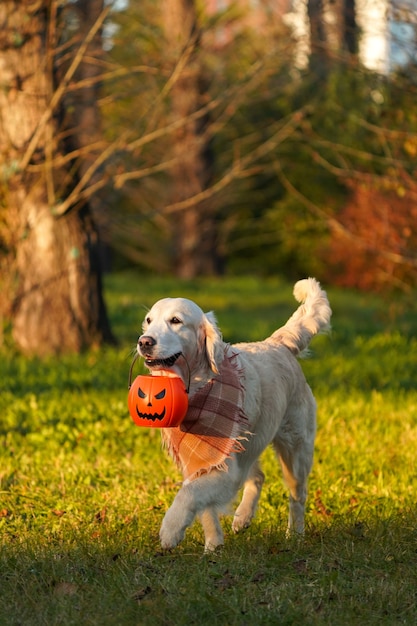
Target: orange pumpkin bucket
<point>157,401</point>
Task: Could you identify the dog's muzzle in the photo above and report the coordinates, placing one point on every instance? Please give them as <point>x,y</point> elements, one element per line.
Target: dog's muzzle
<point>146,344</point>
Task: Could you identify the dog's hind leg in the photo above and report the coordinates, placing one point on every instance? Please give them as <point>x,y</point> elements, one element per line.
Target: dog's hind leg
<point>294,445</point>
<point>297,485</point>
<point>296,465</point>
<point>251,493</point>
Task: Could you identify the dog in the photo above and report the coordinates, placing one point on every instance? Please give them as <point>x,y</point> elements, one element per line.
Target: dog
<point>277,407</point>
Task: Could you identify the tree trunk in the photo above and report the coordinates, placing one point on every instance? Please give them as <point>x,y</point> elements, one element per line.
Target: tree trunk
<point>195,227</point>
<point>57,304</point>
<point>350,27</point>
<point>333,30</point>
<point>318,36</point>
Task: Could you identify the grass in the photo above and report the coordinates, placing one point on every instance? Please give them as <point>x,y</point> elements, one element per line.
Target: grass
<point>83,491</point>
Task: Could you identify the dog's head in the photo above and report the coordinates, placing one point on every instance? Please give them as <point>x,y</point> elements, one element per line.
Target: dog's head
<point>177,327</point>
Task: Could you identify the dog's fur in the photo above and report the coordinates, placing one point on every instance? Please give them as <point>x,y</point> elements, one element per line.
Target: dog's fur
<point>278,403</point>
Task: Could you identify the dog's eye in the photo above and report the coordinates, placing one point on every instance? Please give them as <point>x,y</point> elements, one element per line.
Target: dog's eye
<point>148,320</point>
<point>176,320</point>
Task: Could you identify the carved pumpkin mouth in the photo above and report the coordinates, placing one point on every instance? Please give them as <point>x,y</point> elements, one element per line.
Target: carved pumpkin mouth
<point>153,417</point>
<point>168,362</point>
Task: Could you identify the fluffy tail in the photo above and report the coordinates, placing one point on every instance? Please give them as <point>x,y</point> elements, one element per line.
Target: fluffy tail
<point>311,317</point>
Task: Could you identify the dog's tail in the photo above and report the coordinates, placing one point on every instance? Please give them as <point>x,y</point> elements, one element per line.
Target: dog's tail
<point>311,317</point>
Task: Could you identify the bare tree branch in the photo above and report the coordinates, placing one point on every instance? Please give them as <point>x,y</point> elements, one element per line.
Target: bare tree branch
<point>353,174</point>
<point>82,192</point>
<point>240,166</point>
<point>337,226</point>
<point>60,91</point>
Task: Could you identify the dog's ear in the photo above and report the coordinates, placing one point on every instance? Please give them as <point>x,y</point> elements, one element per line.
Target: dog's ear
<point>212,341</point>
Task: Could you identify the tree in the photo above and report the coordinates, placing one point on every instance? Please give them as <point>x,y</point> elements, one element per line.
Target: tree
<point>378,232</point>
<point>202,104</point>
<point>355,159</point>
<point>373,238</point>
<point>284,148</point>
<point>51,257</point>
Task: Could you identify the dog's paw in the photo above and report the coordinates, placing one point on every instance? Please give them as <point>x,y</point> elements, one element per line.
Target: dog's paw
<point>169,539</point>
<point>211,548</point>
<point>240,522</point>
<point>170,534</point>
<point>177,519</point>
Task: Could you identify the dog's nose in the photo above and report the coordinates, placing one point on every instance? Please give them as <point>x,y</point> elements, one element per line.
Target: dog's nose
<point>145,342</point>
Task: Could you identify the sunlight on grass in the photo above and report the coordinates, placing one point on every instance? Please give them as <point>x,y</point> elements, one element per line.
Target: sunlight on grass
<point>83,491</point>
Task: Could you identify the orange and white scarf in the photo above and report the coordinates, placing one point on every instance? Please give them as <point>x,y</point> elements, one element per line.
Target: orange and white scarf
<point>214,425</point>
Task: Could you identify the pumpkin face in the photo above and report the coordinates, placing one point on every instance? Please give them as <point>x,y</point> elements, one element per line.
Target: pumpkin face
<point>157,401</point>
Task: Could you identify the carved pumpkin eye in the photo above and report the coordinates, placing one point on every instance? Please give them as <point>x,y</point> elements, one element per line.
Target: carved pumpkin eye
<point>141,393</point>
<point>160,395</point>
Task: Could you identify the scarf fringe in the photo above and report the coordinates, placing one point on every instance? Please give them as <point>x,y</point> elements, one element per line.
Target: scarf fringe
<point>237,447</point>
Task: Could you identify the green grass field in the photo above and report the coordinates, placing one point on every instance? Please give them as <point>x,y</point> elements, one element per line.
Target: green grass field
<point>83,490</point>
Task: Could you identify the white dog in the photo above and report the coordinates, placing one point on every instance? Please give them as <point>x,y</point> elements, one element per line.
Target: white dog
<point>262,397</point>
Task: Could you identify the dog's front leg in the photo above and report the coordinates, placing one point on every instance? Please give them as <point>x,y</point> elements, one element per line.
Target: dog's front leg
<point>203,496</point>
<point>179,516</point>
<point>213,532</point>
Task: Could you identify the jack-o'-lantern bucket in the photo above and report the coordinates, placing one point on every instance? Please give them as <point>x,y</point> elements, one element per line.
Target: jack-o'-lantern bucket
<point>159,401</point>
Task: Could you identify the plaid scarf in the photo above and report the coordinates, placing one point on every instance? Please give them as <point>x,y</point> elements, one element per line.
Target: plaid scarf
<point>214,425</point>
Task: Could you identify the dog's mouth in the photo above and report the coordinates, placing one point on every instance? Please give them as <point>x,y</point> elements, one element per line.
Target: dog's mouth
<point>168,362</point>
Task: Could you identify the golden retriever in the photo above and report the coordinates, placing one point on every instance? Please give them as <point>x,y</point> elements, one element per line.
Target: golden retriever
<point>278,407</point>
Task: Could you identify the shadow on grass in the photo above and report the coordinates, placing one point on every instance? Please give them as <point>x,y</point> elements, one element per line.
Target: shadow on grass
<point>346,572</point>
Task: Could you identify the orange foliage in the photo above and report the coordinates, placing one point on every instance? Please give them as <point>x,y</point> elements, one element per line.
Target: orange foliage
<point>376,247</point>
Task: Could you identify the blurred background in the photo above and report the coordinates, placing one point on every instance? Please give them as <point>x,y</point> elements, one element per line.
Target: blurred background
<point>200,139</point>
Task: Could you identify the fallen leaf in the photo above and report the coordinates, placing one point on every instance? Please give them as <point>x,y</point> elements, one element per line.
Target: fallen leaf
<point>300,566</point>
<point>258,577</point>
<point>65,589</point>
<point>225,582</point>
<point>100,516</point>
<point>320,507</point>
<point>142,593</point>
